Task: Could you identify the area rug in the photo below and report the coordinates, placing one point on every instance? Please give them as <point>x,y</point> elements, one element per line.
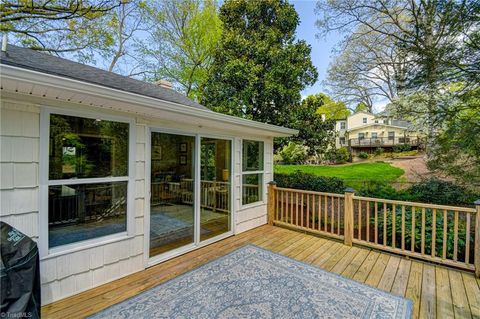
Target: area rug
<point>255,283</point>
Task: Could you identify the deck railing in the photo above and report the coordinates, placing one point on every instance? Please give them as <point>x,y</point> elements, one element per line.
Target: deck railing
<point>443,234</point>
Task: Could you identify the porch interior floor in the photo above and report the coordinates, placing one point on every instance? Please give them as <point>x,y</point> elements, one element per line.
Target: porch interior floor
<point>436,291</point>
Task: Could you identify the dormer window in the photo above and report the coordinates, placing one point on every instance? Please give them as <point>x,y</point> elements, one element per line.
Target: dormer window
<point>364,120</point>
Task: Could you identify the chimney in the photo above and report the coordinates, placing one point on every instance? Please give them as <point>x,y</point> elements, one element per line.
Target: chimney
<point>164,84</point>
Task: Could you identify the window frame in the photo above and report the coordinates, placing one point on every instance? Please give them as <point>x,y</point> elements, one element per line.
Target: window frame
<point>343,125</point>
<point>45,182</point>
<point>262,172</point>
<point>365,120</point>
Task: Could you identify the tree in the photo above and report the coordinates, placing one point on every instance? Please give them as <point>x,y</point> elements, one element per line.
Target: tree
<point>333,110</point>
<point>56,26</point>
<point>124,24</point>
<point>457,151</point>
<point>436,39</point>
<point>259,67</point>
<point>184,39</point>
<point>315,132</point>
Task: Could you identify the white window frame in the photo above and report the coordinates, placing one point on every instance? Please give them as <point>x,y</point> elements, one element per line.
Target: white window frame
<point>343,125</point>
<point>242,173</point>
<point>44,249</point>
<point>365,120</point>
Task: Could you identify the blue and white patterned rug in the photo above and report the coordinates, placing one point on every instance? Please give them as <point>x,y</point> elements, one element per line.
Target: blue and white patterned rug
<point>255,283</point>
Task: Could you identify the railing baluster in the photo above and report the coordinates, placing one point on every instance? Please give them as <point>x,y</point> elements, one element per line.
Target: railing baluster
<point>368,221</point>
<point>413,229</point>
<point>403,227</point>
<point>445,224</point>
<point>319,213</point>
<point>332,221</point>
<point>296,209</point>
<point>282,207</point>
<point>385,224</point>
<point>308,211</point>
<point>467,240</point>
<point>301,211</point>
<point>360,219</point>
<point>394,226</point>
<point>455,237</point>
<point>376,222</point>
<point>338,215</point>
<point>434,231</point>
<point>326,213</point>
<point>423,232</point>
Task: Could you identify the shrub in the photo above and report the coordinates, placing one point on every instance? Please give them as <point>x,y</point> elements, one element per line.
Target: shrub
<point>293,153</point>
<point>379,151</point>
<point>339,156</point>
<point>441,192</point>
<point>311,182</point>
<point>401,148</point>
<point>277,158</point>
<point>363,155</point>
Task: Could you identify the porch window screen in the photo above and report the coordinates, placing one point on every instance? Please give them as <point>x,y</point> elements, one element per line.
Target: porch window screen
<point>87,178</point>
<point>252,171</point>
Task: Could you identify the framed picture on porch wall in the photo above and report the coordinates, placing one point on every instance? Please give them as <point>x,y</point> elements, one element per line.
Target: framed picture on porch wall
<point>183,147</point>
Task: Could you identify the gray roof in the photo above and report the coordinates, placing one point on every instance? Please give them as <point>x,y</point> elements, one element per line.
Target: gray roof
<point>45,63</point>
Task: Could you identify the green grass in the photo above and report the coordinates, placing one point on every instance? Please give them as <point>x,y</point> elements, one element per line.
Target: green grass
<point>352,173</point>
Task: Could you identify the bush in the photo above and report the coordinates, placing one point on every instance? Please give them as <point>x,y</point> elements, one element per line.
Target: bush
<point>311,182</point>
<point>339,156</point>
<point>401,148</point>
<point>293,153</point>
<point>277,158</point>
<point>363,155</point>
<point>442,193</point>
<point>379,151</point>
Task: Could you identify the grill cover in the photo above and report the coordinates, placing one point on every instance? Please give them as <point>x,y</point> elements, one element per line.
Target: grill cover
<point>20,274</point>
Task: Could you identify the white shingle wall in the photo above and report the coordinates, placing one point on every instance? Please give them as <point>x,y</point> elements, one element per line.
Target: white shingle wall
<point>71,273</point>
<point>19,142</point>
<point>248,218</point>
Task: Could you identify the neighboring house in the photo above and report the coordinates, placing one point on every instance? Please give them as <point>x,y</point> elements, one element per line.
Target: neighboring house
<point>365,131</point>
<point>111,175</point>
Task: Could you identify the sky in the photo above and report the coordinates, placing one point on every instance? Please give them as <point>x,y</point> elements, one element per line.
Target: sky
<point>321,47</point>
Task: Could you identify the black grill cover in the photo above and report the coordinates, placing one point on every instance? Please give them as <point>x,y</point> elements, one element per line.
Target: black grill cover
<point>20,274</point>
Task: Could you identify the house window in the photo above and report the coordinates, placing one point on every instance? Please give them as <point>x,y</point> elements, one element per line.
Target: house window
<point>391,136</point>
<point>374,135</point>
<point>376,121</point>
<point>342,125</point>
<point>342,140</point>
<point>88,178</point>
<point>364,120</point>
<point>252,171</point>
<point>361,136</point>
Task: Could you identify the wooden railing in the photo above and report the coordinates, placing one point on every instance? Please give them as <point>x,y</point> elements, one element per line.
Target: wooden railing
<point>382,141</point>
<point>443,234</point>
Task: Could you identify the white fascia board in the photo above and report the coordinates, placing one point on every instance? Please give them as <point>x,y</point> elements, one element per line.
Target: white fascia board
<point>374,124</point>
<point>81,87</point>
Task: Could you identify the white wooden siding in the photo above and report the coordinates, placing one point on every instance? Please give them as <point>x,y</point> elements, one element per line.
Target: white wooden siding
<point>69,273</point>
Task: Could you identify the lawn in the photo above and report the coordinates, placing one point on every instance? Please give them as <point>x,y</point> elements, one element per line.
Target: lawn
<point>351,172</point>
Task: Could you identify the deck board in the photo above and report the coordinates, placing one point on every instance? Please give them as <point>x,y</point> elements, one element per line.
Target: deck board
<point>435,290</point>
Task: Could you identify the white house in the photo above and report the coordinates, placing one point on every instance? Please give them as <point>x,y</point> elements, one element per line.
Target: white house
<point>364,130</point>
<point>111,175</point>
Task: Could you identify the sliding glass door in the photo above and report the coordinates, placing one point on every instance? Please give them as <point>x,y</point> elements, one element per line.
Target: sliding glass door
<point>215,187</point>
<point>172,175</point>
<point>190,191</point>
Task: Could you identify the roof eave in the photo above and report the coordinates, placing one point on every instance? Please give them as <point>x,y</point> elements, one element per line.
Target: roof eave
<point>81,87</point>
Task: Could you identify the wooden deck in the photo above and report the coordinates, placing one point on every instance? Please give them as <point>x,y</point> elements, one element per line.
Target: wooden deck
<point>436,291</point>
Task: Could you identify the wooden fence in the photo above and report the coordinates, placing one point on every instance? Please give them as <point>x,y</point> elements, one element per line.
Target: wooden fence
<point>443,234</point>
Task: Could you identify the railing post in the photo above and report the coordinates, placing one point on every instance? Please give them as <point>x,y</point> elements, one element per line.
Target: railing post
<point>476,249</point>
<point>348,216</point>
<point>271,202</point>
